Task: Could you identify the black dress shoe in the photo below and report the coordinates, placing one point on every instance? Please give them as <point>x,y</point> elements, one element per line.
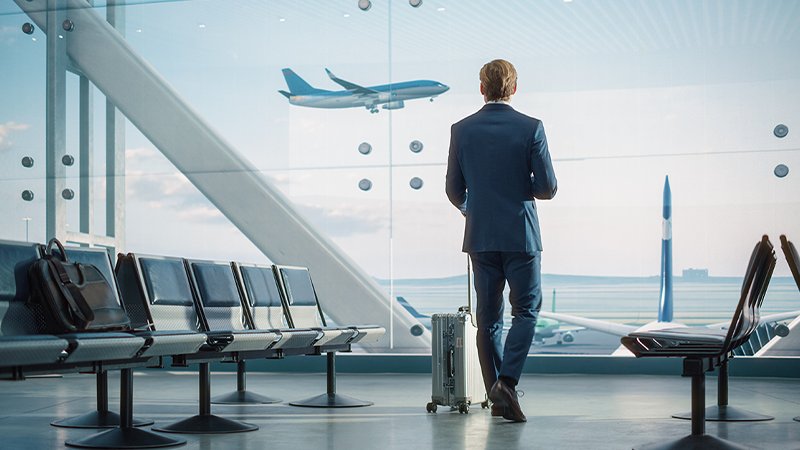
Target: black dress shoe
<point>497,410</point>
<point>506,397</point>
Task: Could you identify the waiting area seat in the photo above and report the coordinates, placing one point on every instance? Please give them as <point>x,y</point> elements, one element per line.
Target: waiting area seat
<point>21,322</point>
<point>20,345</point>
<point>31,350</point>
<point>303,309</point>
<point>703,350</point>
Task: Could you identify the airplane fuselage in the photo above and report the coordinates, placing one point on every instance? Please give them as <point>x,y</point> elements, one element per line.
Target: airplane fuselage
<point>384,95</point>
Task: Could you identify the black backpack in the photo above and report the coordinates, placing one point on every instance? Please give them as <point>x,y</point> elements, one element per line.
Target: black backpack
<point>73,297</point>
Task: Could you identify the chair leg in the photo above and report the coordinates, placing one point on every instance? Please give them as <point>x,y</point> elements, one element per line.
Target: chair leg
<point>331,399</point>
<point>722,412</point>
<point>205,422</point>
<point>698,440</point>
<point>241,396</point>
<point>101,417</point>
<point>126,436</point>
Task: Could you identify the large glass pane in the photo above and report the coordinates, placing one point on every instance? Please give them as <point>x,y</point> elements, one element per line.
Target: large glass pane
<point>233,62</point>
<point>629,93</point>
<point>22,127</point>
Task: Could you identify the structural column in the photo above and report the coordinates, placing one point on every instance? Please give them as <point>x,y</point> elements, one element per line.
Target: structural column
<point>56,106</point>
<point>115,147</point>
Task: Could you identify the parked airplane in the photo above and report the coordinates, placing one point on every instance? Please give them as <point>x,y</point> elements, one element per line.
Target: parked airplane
<point>665,299</point>
<point>545,328</point>
<point>424,319</point>
<point>391,96</point>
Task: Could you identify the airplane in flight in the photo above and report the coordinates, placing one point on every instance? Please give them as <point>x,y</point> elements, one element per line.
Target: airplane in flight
<point>389,96</point>
<point>665,313</point>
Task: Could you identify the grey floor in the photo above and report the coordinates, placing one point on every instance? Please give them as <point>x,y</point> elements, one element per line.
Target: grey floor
<point>564,411</point>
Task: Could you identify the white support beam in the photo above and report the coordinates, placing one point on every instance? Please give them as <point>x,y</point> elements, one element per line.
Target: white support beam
<point>247,198</point>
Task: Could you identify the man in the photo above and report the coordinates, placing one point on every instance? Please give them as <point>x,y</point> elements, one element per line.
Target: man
<point>498,164</point>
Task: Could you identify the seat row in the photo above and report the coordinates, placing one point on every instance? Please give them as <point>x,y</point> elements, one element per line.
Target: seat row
<point>192,311</point>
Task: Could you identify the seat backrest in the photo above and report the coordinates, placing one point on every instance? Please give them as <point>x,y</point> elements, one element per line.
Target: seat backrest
<point>217,295</point>
<point>157,288</point>
<point>300,298</point>
<point>754,287</point>
<point>260,291</point>
<point>15,316</point>
<point>792,258</point>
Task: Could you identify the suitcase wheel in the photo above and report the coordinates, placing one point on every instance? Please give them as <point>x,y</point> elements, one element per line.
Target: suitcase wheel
<point>485,404</point>
<point>431,407</point>
<point>463,408</point>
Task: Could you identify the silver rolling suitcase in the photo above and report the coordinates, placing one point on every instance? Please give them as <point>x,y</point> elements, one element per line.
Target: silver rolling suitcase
<point>457,381</point>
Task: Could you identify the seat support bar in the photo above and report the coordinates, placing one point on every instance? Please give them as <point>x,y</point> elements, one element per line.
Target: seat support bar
<point>331,399</point>
<point>102,417</point>
<point>126,436</point>
<point>699,404</point>
<point>698,440</point>
<point>722,412</point>
<point>241,395</point>
<point>205,422</point>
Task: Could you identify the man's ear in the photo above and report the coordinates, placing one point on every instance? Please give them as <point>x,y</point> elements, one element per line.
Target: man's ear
<point>515,89</point>
<point>482,93</point>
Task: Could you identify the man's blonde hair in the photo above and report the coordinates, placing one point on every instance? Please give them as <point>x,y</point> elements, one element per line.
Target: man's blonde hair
<point>499,79</point>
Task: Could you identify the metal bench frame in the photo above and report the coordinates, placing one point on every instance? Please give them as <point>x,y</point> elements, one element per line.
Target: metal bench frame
<point>700,356</point>
<point>793,259</point>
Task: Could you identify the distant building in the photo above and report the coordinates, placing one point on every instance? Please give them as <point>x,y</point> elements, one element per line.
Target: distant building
<point>695,274</point>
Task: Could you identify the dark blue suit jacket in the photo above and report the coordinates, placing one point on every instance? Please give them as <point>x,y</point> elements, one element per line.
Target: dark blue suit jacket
<point>498,164</point>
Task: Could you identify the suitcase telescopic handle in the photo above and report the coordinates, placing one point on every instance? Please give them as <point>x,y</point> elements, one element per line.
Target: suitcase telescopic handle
<point>472,317</point>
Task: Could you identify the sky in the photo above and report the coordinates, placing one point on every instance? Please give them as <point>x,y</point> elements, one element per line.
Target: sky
<point>629,92</point>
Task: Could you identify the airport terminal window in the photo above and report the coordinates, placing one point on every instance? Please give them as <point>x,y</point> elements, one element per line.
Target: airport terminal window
<point>346,111</point>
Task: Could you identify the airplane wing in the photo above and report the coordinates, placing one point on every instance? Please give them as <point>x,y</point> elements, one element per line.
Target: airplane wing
<point>562,330</point>
<point>623,330</point>
<point>763,319</point>
<point>357,89</point>
<point>778,317</point>
<point>616,329</point>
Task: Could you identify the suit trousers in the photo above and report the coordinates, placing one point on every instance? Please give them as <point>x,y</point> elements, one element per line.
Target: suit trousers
<point>523,273</point>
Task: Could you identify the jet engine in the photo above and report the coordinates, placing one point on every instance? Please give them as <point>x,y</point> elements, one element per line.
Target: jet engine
<point>394,105</point>
<point>568,337</point>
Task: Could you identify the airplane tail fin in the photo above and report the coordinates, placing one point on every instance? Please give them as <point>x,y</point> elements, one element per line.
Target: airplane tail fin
<point>297,85</point>
<point>404,303</point>
<point>665,300</point>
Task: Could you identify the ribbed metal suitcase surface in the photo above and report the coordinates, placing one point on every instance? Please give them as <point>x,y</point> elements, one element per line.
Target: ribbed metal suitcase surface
<point>457,381</point>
